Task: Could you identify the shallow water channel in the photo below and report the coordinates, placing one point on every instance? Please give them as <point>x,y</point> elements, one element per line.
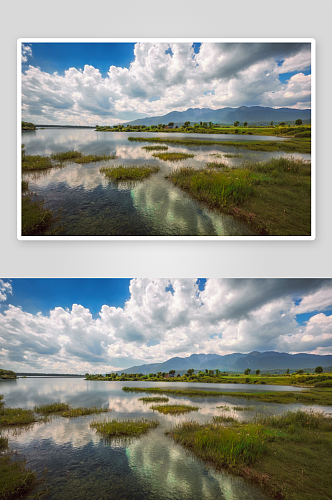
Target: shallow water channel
<point>88,204</point>
<point>82,465</point>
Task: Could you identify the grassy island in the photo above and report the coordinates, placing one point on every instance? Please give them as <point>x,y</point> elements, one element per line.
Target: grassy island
<point>7,374</point>
<point>174,409</point>
<point>128,172</point>
<point>274,197</point>
<point>173,156</point>
<point>28,126</point>
<point>118,428</point>
<point>289,455</point>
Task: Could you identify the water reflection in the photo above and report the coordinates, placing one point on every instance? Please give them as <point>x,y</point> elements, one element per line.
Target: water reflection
<point>91,205</point>
<point>82,465</point>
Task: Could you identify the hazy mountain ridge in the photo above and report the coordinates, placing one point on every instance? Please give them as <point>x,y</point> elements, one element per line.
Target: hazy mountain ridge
<point>227,115</point>
<point>269,360</point>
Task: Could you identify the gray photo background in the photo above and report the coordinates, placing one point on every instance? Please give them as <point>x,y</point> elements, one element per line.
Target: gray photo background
<point>191,19</point>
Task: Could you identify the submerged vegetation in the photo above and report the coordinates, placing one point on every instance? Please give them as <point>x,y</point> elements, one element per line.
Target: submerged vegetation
<point>174,409</point>
<point>173,156</point>
<point>289,455</point>
<point>35,217</point>
<point>273,196</point>
<point>113,428</point>
<point>128,172</point>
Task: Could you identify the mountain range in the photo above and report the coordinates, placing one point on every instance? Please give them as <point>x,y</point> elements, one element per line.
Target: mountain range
<point>253,114</point>
<point>237,362</point>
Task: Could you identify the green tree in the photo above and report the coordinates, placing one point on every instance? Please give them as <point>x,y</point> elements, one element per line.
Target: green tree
<point>271,124</point>
<point>171,372</point>
<point>258,372</point>
<point>236,124</point>
<point>171,124</point>
<point>287,371</point>
<point>247,371</point>
<point>190,371</point>
<point>210,124</point>
<point>318,369</point>
<point>186,124</point>
<point>298,122</point>
<point>245,124</point>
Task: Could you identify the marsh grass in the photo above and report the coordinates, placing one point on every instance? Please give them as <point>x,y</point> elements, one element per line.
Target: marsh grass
<point>15,479</point>
<point>94,158</point>
<point>51,408</point>
<point>152,399</point>
<point>173,156</point>
<point>225,408</point>
<point>35,217</point>
<point>155,148</point>
<point>16,416</point>
<point>223,418</point>
<point>243,408</point>
<point>25,186</point>
<point>230,155</point>
<point>36,162</point>
<point>81,411</point>
<point>300,145</point>
<point>124,427</point>
<point>174,409</point>
<point>216,164</point>
<point>128,172</point>
<point>289,455</point>
<point>274,196</point>
<point>321,397</point>
<point>66,155</point>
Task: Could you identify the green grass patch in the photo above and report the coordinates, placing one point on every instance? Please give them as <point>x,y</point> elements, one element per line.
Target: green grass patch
<point>130,172</point>
<point>173,156</point>
<point>243,408</point>
<point>36,162</point>
<point>321,397</point>
<point>15,479</point>
<point>222,418</point>
<point>225,408</point>
<point>94,158</point>
<point>117,427</point>
<point>299,145</point>
<point>174,409</point>
<point>229,155</point>
<point>155,148</point>
<point>35,218</point>
<point>81,411</point>
<point>288,455</point>
<point>51,408</point>
<point>16,416</point>
<point>152,399</point>
<point>274,197</point>
<point>66,155</point>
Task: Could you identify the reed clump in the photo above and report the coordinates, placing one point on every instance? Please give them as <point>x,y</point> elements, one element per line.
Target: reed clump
<point>51,408</point>
<point>173,156</point>
<point>128,172</point>
<point>174,409</point>
<point>128,427</point>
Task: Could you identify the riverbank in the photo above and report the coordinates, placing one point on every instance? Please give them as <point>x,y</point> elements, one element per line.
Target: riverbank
<point>288,455</point>
<point>273,197</point>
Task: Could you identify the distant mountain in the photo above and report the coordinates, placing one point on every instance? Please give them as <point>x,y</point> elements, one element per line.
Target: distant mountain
<point>253,114</point>
<point>237,362</point>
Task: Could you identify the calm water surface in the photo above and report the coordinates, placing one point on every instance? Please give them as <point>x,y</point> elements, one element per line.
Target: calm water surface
<point>81,465</point>
<point>90,205</point>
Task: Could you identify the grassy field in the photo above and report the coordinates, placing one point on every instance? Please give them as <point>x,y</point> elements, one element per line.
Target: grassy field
<point>174,409</point>
<point>113,428</point>
<point>299,145</point>
<point>321,397</point>
<point>289,455</point>
<point>274,197</point>
<point>128,172</point>
<point>172,156</point>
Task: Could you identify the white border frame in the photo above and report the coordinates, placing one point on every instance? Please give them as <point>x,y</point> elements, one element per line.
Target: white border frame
<point>312,41</point>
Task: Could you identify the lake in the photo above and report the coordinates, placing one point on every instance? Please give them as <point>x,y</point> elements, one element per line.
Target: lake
<point>81,465</point>
<point>90,205</point>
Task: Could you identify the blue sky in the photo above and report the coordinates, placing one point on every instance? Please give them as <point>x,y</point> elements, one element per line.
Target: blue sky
<point>107,83</point>
<point>97,325</point>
